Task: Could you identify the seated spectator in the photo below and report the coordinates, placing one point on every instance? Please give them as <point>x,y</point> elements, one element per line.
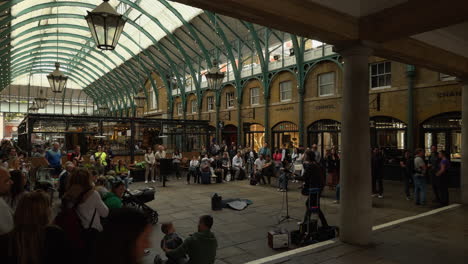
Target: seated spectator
<point>205,170</point>
<point>17,189</point>
<point>81,192</point>
<point>113,199</point>
<point>122,171</point>
<point>34,240</point>
<point>268,168</point>
<point>171,241</point>
<point>193,170</point>
<point>125,237</point>
<point>101,185</point>
<point>258,167</point>
<point>200,247</point>
<point>238,166</point>
<point>6,214</point>
<point>218,170</point>
<point>64,176</point>
<point>226,161</point>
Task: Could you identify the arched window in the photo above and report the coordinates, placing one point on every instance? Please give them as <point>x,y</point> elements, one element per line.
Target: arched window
<point>326,134</point>
<point>387,132</point>
<point>285,133</point>
<point>444,131</point>
<point>254,135</point>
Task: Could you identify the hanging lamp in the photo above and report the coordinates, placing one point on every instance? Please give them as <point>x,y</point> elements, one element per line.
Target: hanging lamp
<point>214,77</point>
<point>106,25</point>
<point>33,108</point>
<point>41,100</point>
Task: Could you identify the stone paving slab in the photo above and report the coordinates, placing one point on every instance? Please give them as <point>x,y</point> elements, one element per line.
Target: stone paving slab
<point>242,235</point>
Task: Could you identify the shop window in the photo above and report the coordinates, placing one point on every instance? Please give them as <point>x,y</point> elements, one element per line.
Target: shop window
<point>230,100</point>
<point>326,83</point>
<point>210,103</point>
<point>388,132</point>
<point>381,75</point>
<point>285,134</point>
<point>254,96</point>
<point>444,131</point>
<point>179,109</point>
<point>194,104</point>
<point>285,91</point>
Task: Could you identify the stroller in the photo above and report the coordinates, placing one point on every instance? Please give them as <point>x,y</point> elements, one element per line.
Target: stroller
<point>138,199</point>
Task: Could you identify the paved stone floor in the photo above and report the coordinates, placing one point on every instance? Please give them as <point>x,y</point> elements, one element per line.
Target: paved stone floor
<point>242,234</point>
<point>440,238</point>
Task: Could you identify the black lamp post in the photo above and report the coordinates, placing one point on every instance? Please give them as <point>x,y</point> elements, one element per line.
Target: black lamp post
<point>57,79</point>
<point>106,25</point>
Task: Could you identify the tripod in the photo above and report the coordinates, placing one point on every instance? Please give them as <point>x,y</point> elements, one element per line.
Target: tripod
<point>287,217</point>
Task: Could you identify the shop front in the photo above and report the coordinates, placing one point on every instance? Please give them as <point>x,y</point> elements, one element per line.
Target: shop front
<point>444,131</point>
<point>326,133</point>
<point>254,135</point>
<point>285,133</point>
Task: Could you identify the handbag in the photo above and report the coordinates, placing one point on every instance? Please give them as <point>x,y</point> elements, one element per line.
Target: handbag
<point>90,233</point>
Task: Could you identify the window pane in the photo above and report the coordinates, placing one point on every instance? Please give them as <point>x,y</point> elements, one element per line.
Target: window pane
<point>381,68</point>
<point>388,67</point>
<point>381,81</point>
<point>374,82</point>
<point>374,69</point>
<point>388,80</point>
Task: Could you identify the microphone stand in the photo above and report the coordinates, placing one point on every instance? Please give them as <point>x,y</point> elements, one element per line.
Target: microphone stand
<point>287,217</point>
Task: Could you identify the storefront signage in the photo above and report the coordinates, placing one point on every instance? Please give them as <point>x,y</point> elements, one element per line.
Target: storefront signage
<point>449,94</point>
<point>284,109</point>
<point>325,107</point>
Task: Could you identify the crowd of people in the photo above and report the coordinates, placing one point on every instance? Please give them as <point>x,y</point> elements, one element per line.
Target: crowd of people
<point>90,226</point>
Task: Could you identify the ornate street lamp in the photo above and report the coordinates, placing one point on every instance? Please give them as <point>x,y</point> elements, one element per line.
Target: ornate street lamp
<point>214,77</point>
<point>57,79</point>
<point>106,25</point>
<point>140,99</point>
<point>33,108</point>
<point>41,100</point>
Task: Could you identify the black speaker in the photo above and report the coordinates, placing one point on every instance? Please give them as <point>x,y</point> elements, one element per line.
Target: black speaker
<point>216,202</point>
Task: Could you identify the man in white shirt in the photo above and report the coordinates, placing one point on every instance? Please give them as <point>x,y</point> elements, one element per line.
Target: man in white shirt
<point>6,214</point>
<point>318,155</point>
<point>258,166</point>
<point>238,165</point>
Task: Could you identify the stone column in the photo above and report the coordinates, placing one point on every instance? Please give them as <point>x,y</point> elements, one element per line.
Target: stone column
<point>464,141</point>
<point>356,202</point>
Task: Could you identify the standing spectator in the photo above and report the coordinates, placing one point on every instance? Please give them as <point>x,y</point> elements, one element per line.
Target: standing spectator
<point>100,158</point>
<point>332,162</point>
<point>377,173</point>
<point>17,189</point>
<point>81,192</point>
<point>176,159</point>
<point>286,171</point>
<point>232,151</point>
<point>277,158</point>
<point>318,155</point>
<point>54,158</point>
<point>433,168</point>
<point>419,178</point>
<point>285,153</point>
<point>193,170</point>
<point>160,154</point>
<point>126,237</point>
<point>238,166</point>
<point>34,240</point>
<point>200,247</point>
<point>6,214</point>
<point>407,165</point>
<point>113,199</point>
<point>265,150</point>
<point>76,156</point>
<point>443,178</point>
<point>150,160</point>
<point>64,176</point>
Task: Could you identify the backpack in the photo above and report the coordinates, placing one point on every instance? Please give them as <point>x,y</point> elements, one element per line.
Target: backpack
<point>69,220</point>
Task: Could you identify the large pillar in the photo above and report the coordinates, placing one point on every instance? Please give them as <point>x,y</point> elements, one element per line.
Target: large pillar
<point>464,141</point>
<point>410,74</point>
<point>356,202</point>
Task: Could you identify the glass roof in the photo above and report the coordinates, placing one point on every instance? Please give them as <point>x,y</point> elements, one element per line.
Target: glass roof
<point>35,36</point>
